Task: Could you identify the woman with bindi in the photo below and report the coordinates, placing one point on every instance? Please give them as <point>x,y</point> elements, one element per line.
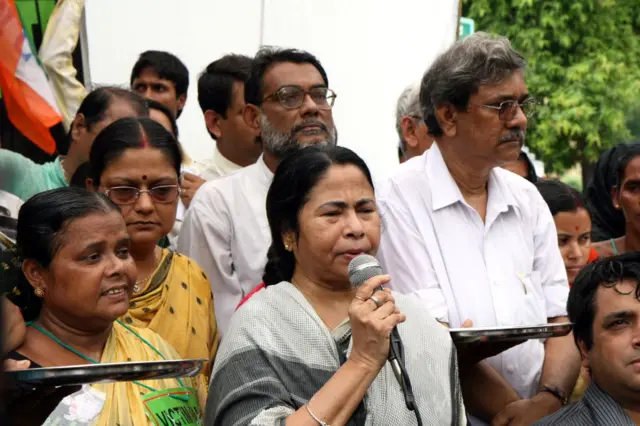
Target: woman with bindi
<point>573,224</point>
<point>136,164</point>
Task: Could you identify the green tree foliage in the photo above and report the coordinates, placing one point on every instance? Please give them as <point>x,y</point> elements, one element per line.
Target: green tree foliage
<point>584,68</point>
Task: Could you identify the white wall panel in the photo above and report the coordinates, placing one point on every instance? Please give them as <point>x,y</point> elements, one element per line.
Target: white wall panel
<point>197,31</point>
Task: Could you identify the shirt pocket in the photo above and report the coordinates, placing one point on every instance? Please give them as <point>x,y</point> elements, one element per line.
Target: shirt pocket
<point>533,310</point>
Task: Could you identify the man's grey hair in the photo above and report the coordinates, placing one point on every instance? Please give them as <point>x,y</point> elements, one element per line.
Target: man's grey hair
<point>458,73</point>
<point>408,106</point>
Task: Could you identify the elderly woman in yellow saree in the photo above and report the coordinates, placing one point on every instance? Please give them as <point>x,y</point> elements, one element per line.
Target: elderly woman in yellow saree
<point>76,260</point>
<point>136,164</point>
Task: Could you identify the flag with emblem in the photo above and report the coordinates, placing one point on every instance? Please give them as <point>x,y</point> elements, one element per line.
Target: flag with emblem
<point>30,103</point>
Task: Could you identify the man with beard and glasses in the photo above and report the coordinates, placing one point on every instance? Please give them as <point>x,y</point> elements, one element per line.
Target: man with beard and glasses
<point>225,229</point>
<point>476,242</point>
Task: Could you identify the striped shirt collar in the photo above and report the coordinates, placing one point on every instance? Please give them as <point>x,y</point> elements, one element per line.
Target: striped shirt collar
<point>604,409</point>
<point>596,408</point>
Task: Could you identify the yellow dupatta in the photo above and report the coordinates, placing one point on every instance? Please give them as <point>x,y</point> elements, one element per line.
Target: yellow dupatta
<point>178,305</point>
<point>123,404</point>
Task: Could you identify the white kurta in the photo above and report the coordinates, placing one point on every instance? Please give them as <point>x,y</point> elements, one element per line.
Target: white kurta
<point>225,230</point>
<point>502,272</point>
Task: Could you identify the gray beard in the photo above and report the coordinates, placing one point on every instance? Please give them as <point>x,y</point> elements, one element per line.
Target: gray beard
<point>279,144</point>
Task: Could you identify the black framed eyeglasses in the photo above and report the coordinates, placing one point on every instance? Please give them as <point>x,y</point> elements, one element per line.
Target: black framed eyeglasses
<point>507,110</point>
<point>161,194</point>
<point>292,97</point>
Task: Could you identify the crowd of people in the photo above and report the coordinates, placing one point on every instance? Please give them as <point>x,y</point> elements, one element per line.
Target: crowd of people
<point>129,250</point>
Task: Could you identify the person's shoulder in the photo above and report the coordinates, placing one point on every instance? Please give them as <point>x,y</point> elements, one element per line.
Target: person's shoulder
<point>513,181</point>
<point>7,156</point>
<point>225,186</point>
<point>603,248</point>
<point>410,169</point>
<point>575,414</point>
<point>189,266</point>
<point>524,192</point>
<point>136,334</point>
<point>268,301</point>
<point>406,176</point>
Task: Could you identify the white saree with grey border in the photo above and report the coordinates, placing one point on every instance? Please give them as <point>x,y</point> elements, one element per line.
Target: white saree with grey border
<point>278,353</point>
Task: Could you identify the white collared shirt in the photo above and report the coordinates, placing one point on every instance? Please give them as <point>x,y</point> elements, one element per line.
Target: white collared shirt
<point>502,272</point>
<point>215,167</point>
<point>225,230</point>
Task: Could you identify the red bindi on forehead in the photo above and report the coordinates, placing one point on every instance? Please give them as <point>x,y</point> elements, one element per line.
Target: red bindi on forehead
<point>577,228</point>
<point>144,177</point>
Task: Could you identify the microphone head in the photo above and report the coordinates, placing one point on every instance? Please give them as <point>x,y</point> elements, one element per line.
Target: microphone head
<point>363,267</point>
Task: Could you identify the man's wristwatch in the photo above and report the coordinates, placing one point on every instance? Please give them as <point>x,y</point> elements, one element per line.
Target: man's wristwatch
<point>555,391</point>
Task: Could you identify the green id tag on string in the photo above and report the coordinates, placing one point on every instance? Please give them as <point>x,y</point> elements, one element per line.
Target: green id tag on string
<point>182,409</point>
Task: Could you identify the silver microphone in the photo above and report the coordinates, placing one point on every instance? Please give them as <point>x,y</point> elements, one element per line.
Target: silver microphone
<point>361,269</point>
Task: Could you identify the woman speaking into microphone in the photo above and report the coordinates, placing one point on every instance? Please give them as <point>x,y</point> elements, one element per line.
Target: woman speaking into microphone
<point>311,349</point>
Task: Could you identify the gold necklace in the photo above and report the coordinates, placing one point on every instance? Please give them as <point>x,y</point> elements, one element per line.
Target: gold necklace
<point>138,285</point>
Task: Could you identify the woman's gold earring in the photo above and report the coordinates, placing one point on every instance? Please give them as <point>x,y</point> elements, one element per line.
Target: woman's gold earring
<point>38,292</point>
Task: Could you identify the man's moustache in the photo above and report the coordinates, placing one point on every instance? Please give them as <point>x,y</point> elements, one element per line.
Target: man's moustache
<point>517,135</point>
<point>301,126</point>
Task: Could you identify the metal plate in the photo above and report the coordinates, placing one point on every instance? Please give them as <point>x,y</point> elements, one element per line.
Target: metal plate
<point>106,373</point>
<point>9,227</point>
<point>505,334</point>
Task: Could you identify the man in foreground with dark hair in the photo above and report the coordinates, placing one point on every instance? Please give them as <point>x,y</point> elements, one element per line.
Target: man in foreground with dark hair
<point>162,77</point>
<point>604,305</point>
<point>225,229</point>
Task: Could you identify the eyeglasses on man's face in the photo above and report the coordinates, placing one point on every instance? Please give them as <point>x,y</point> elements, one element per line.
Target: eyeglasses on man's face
<point>507,110</point>
<point>161,194</point>
<point>292,97</point>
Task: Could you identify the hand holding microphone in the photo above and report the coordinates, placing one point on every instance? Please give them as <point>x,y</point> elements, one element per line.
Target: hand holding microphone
<point>361,270</point>
<point>381,338</point>
<point>373,316</point>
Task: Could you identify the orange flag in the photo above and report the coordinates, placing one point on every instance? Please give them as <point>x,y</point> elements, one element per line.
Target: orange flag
<point>30,102</point>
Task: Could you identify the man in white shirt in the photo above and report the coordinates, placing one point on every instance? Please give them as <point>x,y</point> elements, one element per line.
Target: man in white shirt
<point>221,98</point>
<point>477,242</point>
<point>413,133</point>
<point>225,229</point>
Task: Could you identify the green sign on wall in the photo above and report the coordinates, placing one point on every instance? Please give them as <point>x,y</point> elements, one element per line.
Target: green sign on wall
<point>467,27</point>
